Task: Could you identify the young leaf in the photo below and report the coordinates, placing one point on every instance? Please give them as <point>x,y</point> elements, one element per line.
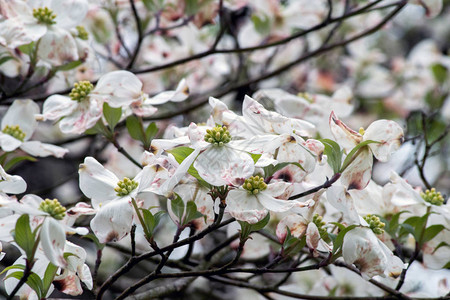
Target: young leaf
<point>191,212</point>
<point>49,275</point>
<point>180,153</point>
<point>350,155</point>
<point>134,128</point>
<point>112,115</point>
<point>69,66</point>
<point>334,154</point>
<point>23,235</point>
<point>337,243</point>
<point>18,266</point>
<point>177,206</point>
<point>247,228</point>
<point>431,232</point>
<point>151,132</point>
<point>12,162</point>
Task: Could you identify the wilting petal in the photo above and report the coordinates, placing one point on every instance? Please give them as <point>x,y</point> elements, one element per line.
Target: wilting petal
<point>39,149</point>
<point>53,239</point>
<point>113,221</point>
<point>357,175</point>
<point>57,47</point>
<point>21,113</point>
<point>118,88</point>
<point>297,226</point>
<point>389,135</point>
<point>96,182</point>
<point>58,106</point>
<point>223,165</point>
<point>338,197</point>
<point>361,247</point>
<point>245,207</point>
<point>344,135</point>
<point>394,265</point>
<point>312,236</point>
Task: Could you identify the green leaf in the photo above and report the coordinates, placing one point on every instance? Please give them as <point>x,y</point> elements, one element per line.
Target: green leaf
<point>27,49</point>
<point>134,127</point>
<point>12,162</point>
<point>69,66</point>
<point>33,282</point>
<point>149,220</point>
<point>112,115</point>
<point>247,228</point>
<point>151,132</point>
<point>191,212</point>
<point>23,235</point>
<point>334,153</point>
<point>13,267</point>
<point>49,275</point>
<point>261,23</point>
<point>441,244</point>
<point>255,157</point>
<point>5,59</point>
<point>271,169</point>
<point>440,73</point>
<point>431,232</point>
<point>350,157</point>
<point>177,206</point>
<point>99,127</point>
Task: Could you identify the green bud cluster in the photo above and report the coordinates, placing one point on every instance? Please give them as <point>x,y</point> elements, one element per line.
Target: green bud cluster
<point>218,136</point>
<point>318,221</point>
<point>306,96</point>
<point>82,33</point>
<point>53,208</point>
<point>81,90</point>
<point>433,197</point>
<point>254,185</point>
<point>15,132</point>
<point>44,15</point>
<point>375,224</point>
<point>125,187</point>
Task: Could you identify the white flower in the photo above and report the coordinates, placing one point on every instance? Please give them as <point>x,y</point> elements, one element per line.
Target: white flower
<point>388,136</point>
<point>84,107</point>
<point>18,125</point>
<point>113,197</point>
<point>11,184</point>
<point>47,21</point>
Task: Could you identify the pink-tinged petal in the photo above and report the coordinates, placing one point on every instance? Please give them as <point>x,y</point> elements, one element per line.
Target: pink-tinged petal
<point>76,211</point>
<point>357,175</point>
<point>245,207</point>
<point>84,117</point>
<point>9,143</point>
<point>53,239</point>
<point>344,135</point>
<point>389,135</point>
<point>36,148</point>
<point>281,190</point>
<point>113,221</point>
<point>394,265</point>
<point>297,226</point>
<point>68,283</point>
<point>361,248</point>
<point>196,136</point>
<point>223,165</point>
<point>143,108</point>
<point>69,13</point>
<point>118,88</point>
<point>160,145</point>
<point>312,236</point>
<point>57,47</point>
<point>432,7</point>
<point>151,177</point>
<point>338,197</point>
<point>58,106</point>
<point>315,147</point>
<point>97,182</point>
<point>11,184</point>
<point>22,113</point>
<point>289,174</point>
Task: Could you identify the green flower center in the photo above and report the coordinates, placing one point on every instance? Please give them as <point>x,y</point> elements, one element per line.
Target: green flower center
<point>81,90</point>
<point>218,136</point>
<point>44,15</point>
<point>361,131</point>
<point>375,224</point>
<point>15,132</point>
<point>433,197</point>
<point>306,96</point>
<point>254,185</point>
<point>125,187</point>
<point>318,221</point>
<point>82,33</point>
<point>53,208</point>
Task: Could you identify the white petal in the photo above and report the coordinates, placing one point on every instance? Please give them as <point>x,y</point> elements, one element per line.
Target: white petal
<point>297,226</point>
<point>9,143</point>
<point>245,207</point>
<point>389,135</point>
<point>96,181</point>
<point>357,175</point>
<point>118,88</point>
<point>344,135</point>
<point>53,239</point>
<point>338,197</point>
<point>21,113</point>
<point>11,184</point>
<point>36,148</point>
<point>224,165</point>
<point>84,117</point>
<point>57,47</point>
<point>113,221</point>
<point>58,106</point>
<point>275,205</point>
<point>69,13</point>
